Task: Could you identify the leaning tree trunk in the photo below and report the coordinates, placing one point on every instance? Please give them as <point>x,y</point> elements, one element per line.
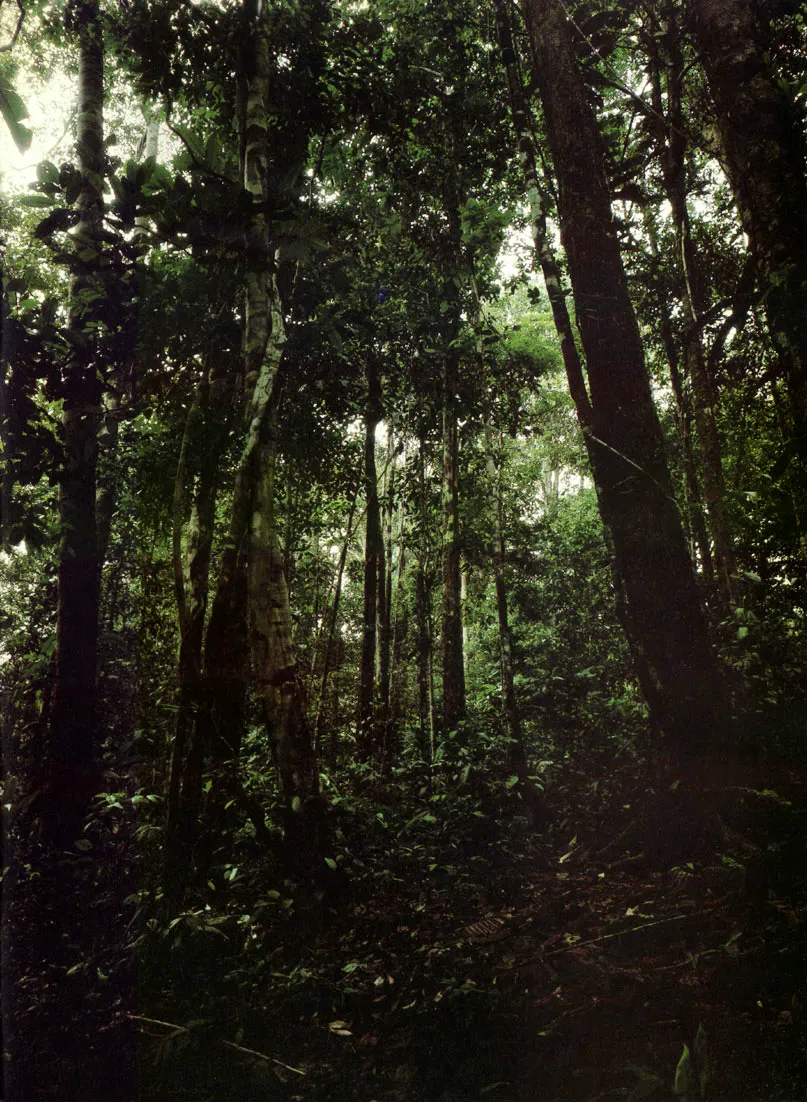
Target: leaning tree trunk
<point>74,742</point>
<point>660,603</point>
<point>763,147</point>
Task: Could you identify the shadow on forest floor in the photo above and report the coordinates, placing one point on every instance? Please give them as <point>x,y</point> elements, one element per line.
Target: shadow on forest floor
<point>460,959</point>
<point>531,971</point>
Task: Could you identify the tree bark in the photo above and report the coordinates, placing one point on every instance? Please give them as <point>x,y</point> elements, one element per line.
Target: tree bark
<point>763,146</point>
<point>693,302</point>
<point>368,740</point>
<point>74,742</point>
<point>694,514</point>
<point>453,666</point>
<point>516,754</point>
<point>659,599</point>
<point>423,618</point>
<point>332,622</point>
<point>207,417</point>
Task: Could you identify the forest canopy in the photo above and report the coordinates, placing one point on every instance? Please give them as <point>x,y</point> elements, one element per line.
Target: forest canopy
<point>403,428</point>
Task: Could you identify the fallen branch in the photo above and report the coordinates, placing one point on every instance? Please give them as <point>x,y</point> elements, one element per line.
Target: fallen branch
<point>179,1029</point>
<point>617,933</point>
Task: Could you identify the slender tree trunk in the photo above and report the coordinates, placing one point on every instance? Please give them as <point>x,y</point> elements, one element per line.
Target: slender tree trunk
<point>550,268</point>
<point>74,742</point>
<point>276,672</point>
<point>424,632</point>
<point>453,666</point>
<point>659,600</point>
<point>7,473</point>
<point>374,586</point>
<point>698,535</point>
<point>121,384</point>
<point>332,622</point>
<point>763,145</point>
<point>385,589</point>
<point>206,419</point>
<point>397,671</point>
<point>693,301</point>
<point>516,754</point>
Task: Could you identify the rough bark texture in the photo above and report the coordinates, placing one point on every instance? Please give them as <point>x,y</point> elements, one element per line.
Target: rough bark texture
<point>73,734</point>
<point>659,599</point>
<point>763,146</point>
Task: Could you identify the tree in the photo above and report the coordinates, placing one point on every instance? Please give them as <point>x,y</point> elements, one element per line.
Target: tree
<point>763,149</point>
<point>693,294</point>
<point>74,741</point>
<point>661,610</point>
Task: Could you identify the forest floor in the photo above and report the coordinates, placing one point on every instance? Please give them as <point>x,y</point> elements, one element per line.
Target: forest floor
<point>459,959</point>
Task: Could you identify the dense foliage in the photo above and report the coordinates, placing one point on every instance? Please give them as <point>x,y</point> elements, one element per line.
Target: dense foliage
<point>404,550</point>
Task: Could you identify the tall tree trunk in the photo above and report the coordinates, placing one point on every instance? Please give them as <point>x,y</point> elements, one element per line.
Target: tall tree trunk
<point>516,754</point>
<point>7,473</point>
<point>385,579</point>
<point>453,666</point>
<point>207,421</point>
<point>332,622</point>
<point>121,383</point>
<point>249,617</point>
<point>698,535</point>
<point>550,268</point>
<point>74,743</point>
<point>373,570</point>
<point>763,145</point>
<point>659,600</point>
<point>275,670</point>
<point>693,301</point>
<point>423,617</point>
<point>397,670</point>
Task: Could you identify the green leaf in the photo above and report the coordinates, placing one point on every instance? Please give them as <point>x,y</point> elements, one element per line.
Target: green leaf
<point>511,782</point>
<point>329,861</point>
<point>14,111</point>
<point>35,201</point>
<point>684,1076</point>
<point>47,173</point>
<point>701,1051</point>
<point>742,631</point>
